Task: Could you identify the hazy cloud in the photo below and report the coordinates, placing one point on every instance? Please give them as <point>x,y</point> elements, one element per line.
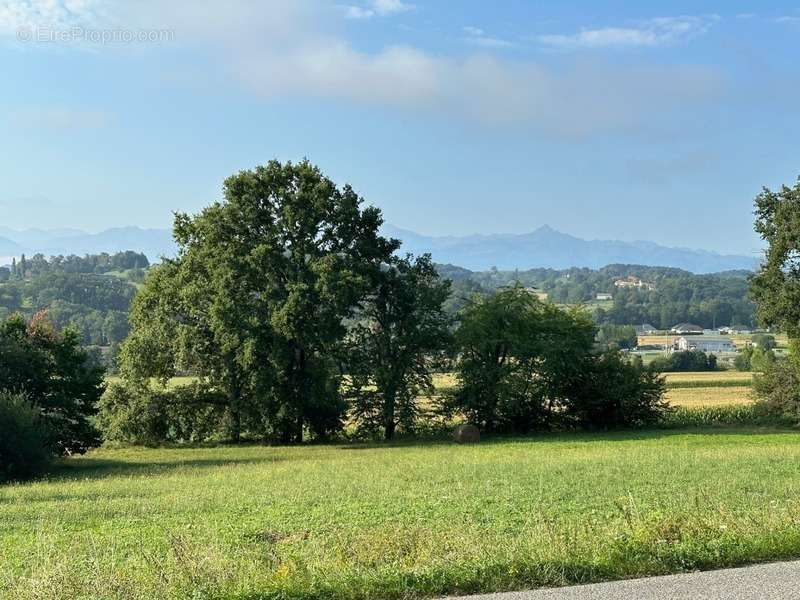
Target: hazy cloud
<point>654,32</point>
<point>299,48</point>
<point>59,119</point>
<point>478,37</point>
<point>663,170</point>
<point>379,8</point>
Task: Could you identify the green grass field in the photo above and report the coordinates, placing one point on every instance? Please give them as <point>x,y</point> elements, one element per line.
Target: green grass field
<point>399,521</point>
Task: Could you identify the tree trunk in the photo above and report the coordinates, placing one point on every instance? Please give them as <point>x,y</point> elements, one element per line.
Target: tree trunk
<point>389,428</point>
<point>389,423</point>
<point>298,430</point>
<point>236,419</point>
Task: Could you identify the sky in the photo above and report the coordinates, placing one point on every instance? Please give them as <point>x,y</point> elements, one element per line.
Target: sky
<point>607,120</point>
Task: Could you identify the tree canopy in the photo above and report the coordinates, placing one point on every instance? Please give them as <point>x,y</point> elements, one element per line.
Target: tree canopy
<point>257,298</point>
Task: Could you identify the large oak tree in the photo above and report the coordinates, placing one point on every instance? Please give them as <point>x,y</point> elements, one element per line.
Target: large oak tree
<point>257,298</point>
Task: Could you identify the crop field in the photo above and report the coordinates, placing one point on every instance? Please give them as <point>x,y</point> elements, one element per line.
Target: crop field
<point>709,396</point>
<point>709,389</point>
<point>690,389</point>
<point>709,378</point>
<point>399,521</point>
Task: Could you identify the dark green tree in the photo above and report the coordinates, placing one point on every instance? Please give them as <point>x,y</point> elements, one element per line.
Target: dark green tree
<point>257,298</point>
<point>611,392</point>
<point>517,358</point>
<point>52,370</point>
<point>390,353</point>
<point>776,285</point>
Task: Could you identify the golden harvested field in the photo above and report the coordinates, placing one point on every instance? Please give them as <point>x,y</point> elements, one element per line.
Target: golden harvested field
<point>657,340</point>
<point>709,396</point>
<point>744,376</point>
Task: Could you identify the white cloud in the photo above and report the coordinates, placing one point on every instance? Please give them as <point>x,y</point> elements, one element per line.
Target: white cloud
<point>478,37</point>
<point>388,7</point>
<point>298,48</point>
<point>358,12</point>
<point>381,8</point>
<point>788,19</point>
<point>654,32</point>
<point>46,13</point>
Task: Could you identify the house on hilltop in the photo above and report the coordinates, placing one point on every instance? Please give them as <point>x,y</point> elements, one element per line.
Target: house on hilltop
<point>631,281</point>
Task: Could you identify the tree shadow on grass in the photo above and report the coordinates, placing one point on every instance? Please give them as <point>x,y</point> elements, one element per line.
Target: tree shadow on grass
<point>580,437</point>
<point>99,468</point>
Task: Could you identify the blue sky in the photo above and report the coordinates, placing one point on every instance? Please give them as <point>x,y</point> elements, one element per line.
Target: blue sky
<point>612,120</point>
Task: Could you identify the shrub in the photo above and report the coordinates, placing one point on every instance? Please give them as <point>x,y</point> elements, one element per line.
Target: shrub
<point>754,359</point>
<point>517,356</point>
<point>610,392</point>
<point>778,390</point>
<point>25,448</point>
<point>56,374</point>
<point>137,413</point>
<point>764,341</point>
<point>686,360</point>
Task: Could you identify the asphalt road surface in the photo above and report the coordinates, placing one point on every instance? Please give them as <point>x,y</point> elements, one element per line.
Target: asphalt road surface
<point>760,582</point>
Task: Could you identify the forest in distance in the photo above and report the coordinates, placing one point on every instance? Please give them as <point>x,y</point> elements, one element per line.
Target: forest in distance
<point>93,292</point>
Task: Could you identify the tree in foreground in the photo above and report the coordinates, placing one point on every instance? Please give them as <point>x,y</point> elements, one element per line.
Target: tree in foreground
<point>776,285</point>
<point>54,374</point>
<point>776,291</point>
<point>610,392</point>
<point>390,352</point>
<point>517,354</point>
<point>256,301</point>
<point>526,365</point>
<point>25,444</point>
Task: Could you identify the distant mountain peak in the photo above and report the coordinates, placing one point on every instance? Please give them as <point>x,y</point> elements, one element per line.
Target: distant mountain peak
<point>546,247</point>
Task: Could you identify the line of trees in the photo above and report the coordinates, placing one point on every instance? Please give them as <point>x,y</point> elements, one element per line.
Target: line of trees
<point>298,316</point>
<point>296,319</point>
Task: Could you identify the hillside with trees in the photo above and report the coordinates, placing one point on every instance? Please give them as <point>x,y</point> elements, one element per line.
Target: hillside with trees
<point>91,293</point>
<point>673,295</point>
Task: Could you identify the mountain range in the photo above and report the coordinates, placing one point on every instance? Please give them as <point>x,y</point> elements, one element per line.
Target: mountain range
<point>546,247</point>
<point>543,247</point>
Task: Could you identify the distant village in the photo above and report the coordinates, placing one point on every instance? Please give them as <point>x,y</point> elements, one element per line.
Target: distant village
<point>680,337</point>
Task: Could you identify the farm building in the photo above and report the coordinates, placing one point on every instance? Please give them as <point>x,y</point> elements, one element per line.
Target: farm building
<point>735,330</point>
<point>645,329</point>
<point>686,329</point>
<point>704,344</point>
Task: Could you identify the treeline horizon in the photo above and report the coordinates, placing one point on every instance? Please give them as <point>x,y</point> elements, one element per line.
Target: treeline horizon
<point>93,292</point>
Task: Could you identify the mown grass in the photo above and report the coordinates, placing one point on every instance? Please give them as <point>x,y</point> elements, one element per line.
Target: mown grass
<point>400,521</point>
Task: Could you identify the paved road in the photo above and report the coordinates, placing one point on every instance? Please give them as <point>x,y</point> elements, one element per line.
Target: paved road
<point>774,581</point>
